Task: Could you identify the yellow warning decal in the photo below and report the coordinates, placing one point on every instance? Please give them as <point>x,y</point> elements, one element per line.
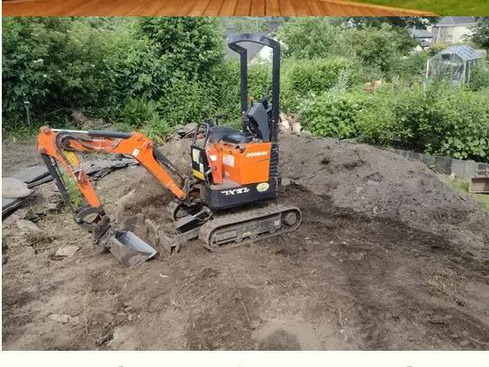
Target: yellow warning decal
<point>198,174</point>
<point>72,158</point>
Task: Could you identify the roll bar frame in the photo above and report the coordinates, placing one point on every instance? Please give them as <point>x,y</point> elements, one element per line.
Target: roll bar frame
<point>243,58</point>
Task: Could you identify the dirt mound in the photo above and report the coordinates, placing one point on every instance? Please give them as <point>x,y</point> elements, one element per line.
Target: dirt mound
<point>388,257</point>
<point>376,183</point>
<point>379,183</point>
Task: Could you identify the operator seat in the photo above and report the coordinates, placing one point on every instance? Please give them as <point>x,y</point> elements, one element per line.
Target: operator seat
<point>229,135</point>
<point>258,117</point>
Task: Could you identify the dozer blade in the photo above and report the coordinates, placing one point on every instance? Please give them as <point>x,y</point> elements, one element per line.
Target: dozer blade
<point>168,243</point>
<point>129,249</point>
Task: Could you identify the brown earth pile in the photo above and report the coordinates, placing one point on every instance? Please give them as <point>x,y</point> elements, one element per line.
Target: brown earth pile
<point>388,257</point>
<point>379,183</point>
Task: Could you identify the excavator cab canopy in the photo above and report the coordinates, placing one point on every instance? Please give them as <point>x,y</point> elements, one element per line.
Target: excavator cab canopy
<point>261,118</point>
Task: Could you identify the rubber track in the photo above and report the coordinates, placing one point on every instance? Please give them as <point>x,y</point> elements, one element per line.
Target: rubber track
<point>233,219</point>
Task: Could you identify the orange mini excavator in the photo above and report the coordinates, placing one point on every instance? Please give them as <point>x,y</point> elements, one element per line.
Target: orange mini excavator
<point>228,200</point>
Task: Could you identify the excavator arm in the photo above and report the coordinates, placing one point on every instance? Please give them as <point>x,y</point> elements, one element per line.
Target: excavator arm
<point>61,146</point>
<point>58,148</point>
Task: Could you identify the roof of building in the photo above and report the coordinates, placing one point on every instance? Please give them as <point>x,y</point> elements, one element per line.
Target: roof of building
<point>456,21</point>
<point>465,52</point>
<point>420,33</point>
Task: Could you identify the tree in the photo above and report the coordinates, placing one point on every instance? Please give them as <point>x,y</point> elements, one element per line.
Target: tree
<point>308,38</point>
<point>481,33</point>
<point>188,44</point>
<point>397,22</point>
<point>377,50</point>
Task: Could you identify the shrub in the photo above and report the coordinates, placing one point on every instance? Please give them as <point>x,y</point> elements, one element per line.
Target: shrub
<point>309,38</point>
<point>479,78</point>
<point>442,119</point>
<point>95,64</point>
<point>186,101</point>
<point>377,49</point>
<point>333,113</point>
<point>157,130</point>
<point>139,111</point>
<point>299,79</point>
<point>187,44</point>
<point>462,127</point>
<point>412,68</point>
<point>377,123</point>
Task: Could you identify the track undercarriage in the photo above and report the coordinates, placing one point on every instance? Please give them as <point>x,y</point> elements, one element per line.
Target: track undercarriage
<point>222,231</point>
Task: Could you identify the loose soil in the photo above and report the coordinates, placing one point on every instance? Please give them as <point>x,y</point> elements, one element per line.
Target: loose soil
<point>388,257</point>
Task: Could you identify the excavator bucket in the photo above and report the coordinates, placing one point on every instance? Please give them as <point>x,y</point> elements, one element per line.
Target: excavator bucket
<point>129,249</point>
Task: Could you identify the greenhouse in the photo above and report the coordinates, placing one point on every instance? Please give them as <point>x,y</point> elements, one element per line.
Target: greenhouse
<point>454,63</point>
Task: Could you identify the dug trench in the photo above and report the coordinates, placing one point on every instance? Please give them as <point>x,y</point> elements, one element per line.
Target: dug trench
<point>367,269</point>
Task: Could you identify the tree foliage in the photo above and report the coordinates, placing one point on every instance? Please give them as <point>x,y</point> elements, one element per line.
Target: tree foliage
<point>481,33</point>
<point>154,73</point>
<point>98,65</point>
<point>398,22</point>
<point>376,49</point>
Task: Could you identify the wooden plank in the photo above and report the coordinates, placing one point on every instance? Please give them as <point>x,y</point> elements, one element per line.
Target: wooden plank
<point>228,8</point>
<point>74,8</point>
<point>301,7</point>
<point>243,8</point>
<point>94,8</point>
<point>14,8</point>
<point>257,8</point>
<point>286,8</point>
<point>198,8</point>
<point>329,9</point>
<point>187,5</point>
<point>315,9</point>
<point>155,8</point>
<point>352,7</point>
<point>42,8</point>
<point>213,8</point>
<point>272,8</point>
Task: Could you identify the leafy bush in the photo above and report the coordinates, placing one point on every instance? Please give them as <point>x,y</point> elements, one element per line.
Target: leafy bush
<point>412,68</point>
<point>377,123</point>
<point>110,68</point>
<point>377,49</point>
<point>157,130</point>
<point>187,44</point>
<point>479,78</point>
<point>442,119</point>
<point>333,113</point>
<point>462,128</point>
<point>139,111</point>
<point>309,38</point>
<point>154,73</point>
<point>300,79</point>
<point>481,33</point>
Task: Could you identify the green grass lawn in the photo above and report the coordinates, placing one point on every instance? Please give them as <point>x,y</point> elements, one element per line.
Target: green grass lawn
<point>463,186</point>
<point>440,7</point>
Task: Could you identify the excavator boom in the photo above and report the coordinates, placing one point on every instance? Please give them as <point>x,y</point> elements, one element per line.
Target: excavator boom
<point>62,145</point>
